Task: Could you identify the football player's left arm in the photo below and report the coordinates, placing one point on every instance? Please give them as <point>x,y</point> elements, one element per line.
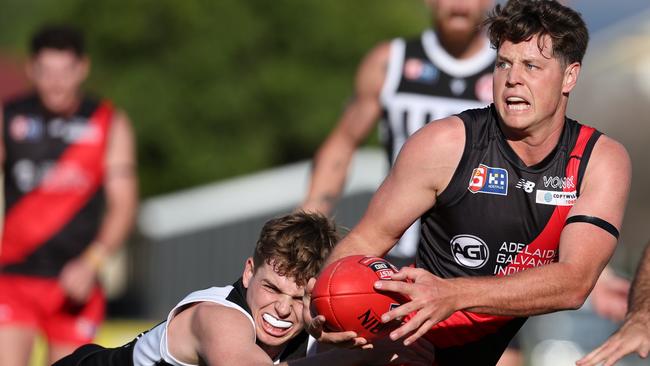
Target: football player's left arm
<point>584,251</point>
<point>120,186</point>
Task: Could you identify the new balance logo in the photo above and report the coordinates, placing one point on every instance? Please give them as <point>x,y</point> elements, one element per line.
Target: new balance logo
<point>526,185</point>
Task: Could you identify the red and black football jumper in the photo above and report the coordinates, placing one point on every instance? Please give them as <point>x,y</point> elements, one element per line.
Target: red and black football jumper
<point>498,217</point>
<point>54,173</point>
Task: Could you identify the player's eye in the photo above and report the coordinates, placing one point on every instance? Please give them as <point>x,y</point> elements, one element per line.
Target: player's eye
<point>501,65</point>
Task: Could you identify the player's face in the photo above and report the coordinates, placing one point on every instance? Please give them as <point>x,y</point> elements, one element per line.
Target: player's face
<point>459,17</point>
<point>530,86</point>
<point>275,302</point>
<point>57,76</point>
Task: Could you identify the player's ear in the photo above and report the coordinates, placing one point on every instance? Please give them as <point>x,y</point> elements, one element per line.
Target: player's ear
<point>249,271</point>
<point>571,73</point>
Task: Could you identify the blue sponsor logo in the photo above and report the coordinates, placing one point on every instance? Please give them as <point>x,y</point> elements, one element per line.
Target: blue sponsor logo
<point>490,180</point>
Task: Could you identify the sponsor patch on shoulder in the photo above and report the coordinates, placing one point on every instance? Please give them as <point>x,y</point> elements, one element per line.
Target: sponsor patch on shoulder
<point>556,198</point>
<point>490,180</point>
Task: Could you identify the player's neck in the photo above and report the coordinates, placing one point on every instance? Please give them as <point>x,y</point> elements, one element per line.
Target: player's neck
<point>462,47</point>
<point>535,144</point>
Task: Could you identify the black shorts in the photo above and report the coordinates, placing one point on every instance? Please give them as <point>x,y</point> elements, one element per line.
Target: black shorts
<point>94,355</point>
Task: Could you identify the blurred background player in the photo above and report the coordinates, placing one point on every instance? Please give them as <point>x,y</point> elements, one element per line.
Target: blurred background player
<point>257,320</point>
<point>71,195</point>
<point>634,334</point>
<point>408,83</point>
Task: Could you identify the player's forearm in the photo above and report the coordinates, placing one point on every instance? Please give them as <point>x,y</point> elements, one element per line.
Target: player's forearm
<point>539,290</point>
<point>640,292</point>
<point>117,222</point>
<point>328,175</point>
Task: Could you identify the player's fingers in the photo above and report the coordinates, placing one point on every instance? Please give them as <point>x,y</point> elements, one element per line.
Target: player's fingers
<point>394,286</point>
<point>425,327</point>
<point>595,356</point>
<point>315,326</point>
<point>410,326</point>
<point>406,273</point>
<point>399,312</point>
<point>343,339</point>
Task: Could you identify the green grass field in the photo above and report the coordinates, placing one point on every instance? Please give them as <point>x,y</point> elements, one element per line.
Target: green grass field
<point>113,333</point>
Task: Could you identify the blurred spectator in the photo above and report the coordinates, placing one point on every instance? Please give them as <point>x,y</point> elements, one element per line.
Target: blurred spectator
<point>71,195</point>
<point>409,82</point>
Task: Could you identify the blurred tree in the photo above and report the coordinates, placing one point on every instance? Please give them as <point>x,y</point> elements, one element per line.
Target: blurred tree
<point>221,88</point>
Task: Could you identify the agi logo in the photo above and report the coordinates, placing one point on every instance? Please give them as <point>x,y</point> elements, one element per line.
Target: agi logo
<point>469,251</point>
<point>490,180</point>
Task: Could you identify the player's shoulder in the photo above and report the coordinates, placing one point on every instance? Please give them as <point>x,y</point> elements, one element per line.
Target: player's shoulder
<point>379,54</point>
<point>449,130</point>
<point>221,317</point>
<point>439,139</point>
<point>609,154</point>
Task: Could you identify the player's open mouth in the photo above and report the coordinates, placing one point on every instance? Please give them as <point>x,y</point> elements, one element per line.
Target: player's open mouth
<point>275,326</point>
<point>517,104</point>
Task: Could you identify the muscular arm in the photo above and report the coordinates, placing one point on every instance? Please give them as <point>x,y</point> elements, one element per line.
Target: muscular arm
<point>423,169</point>
<point>360,116</point>
<point>214,335</point>
<point>640,293</point>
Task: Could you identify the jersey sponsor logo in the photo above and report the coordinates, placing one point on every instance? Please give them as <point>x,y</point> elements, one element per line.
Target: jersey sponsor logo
<point>469,251</point>
<point>526,185</point>
<point>558,182</point>
<point>76,130</point>
<point>490,180</point>
<point>483,88</point>
<point>51,177</point>
<point>556,198</point>
<point>24,128</point>
<point>421,71</point>
<point>382,268</point>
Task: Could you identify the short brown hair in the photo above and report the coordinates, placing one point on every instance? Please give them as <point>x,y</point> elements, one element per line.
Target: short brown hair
<point>520,20</point>
<point>296,245</point>
<point>59,37</point>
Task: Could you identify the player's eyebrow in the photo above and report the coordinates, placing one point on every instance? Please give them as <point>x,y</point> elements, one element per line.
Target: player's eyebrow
<point>275,288</point>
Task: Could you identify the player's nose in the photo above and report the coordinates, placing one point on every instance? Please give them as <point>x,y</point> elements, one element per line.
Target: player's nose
<point>283,306</point>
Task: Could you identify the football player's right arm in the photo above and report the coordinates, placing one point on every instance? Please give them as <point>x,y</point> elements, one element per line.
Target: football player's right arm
<point>225,337</point>
<point>333,158</point>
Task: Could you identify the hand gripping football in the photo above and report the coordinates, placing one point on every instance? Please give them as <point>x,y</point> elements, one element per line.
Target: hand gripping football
<point>345,295</point>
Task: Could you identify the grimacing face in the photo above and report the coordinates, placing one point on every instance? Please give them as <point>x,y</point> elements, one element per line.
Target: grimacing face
<point>531,87</point>
<point>275,302</point>
<point>57,76</point>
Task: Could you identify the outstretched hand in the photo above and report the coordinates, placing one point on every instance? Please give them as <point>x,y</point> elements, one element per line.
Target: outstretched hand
<point>634,336</point>
<point>432,297</point>
<point>315,326</point>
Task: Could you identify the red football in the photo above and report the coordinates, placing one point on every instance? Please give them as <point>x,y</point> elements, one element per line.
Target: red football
<point>345,295</point>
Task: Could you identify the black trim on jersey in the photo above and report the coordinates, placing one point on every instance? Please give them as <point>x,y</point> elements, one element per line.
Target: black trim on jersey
<point>238,295</point>
<point>594,221</point>
<point>585,158</point>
